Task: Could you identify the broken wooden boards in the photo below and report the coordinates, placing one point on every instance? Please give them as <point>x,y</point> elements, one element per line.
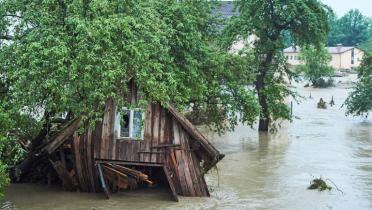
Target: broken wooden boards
<point>120,177</point>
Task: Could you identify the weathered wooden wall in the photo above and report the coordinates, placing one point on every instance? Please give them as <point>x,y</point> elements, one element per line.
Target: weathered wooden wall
<point>165,142</point>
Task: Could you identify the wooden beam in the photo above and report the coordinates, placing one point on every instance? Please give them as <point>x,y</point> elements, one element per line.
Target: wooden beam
<point>61,136</point>
<point>130,163</point>
<point>103,182</point>
<point>171,184</point>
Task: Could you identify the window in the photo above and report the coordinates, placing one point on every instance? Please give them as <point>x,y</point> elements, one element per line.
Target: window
<point>291,57</point>
<point>352,56</point>
<point>129,123</point>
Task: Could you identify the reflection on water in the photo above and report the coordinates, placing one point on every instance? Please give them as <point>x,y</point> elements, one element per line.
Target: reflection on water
<point>260,171</point>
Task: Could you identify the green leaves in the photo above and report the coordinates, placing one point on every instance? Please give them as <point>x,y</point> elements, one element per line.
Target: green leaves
<point>316,63</point>
<point>352,29</point>
<point>71,55</point>
<point>359,102</point>
<point>270,23</point>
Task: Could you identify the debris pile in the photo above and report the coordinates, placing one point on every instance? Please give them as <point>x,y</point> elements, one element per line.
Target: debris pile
<point>319,184</point>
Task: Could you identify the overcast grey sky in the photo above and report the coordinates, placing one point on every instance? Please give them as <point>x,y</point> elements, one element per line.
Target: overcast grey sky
<point>343,6</point>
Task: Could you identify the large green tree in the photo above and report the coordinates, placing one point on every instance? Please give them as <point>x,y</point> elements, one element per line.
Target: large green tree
<point>69,56</point>
<point>267,20</point>
<point>351,29</point>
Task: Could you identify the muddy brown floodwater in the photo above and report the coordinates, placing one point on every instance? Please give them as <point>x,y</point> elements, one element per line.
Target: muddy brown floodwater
<point>259,171</point>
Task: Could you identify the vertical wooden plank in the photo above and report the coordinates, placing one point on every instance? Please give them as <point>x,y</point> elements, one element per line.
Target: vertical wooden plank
<point>107,129</point>
<point>194,176</point>
<point>155,131</point>
<point>114,141</point>
<point>201,180</point>
<point>147,128</point>
<point>142,145</point>
<point>97,134</point>
<point>136,150</point>
<point>124,150</point>
<point>78,162</point>
<point>90,162</point>
<point>103,181</point>
<point>163,130</point>
<point>186,162</point>
<point>180,163</point>
<point>162,133</point>
<point>171,183</point>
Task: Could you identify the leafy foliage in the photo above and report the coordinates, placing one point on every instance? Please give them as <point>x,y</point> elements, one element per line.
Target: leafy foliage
<point>268,21</point>
<point>5,125</point>
<point>319,184</point>
<point>69,56</point>
<point>351,29</point>
<point>359,102</point>
<point>316,64</point>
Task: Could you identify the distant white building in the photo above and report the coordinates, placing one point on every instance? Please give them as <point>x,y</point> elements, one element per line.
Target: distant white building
<point>342,57</point>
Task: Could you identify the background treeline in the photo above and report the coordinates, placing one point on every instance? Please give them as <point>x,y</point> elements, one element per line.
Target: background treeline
<point>351,29</point>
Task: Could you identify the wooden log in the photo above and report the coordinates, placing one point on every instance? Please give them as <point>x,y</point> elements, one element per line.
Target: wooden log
<point>61,136</point>
<point>132,182</point>
<point>119,181</point>
<point>103,182</point>
<point>137,174</point>
<point>170,182</point>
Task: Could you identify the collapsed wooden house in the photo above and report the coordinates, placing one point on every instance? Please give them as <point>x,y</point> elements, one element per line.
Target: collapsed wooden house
<point>130,147</point>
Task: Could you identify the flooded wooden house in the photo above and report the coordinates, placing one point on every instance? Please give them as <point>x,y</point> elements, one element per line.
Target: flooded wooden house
<point>132,147</point>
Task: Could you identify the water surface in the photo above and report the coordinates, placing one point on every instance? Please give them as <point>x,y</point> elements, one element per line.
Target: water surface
<point>260,171</point>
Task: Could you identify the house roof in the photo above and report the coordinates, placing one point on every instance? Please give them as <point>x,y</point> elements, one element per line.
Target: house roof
<point>331,50</point>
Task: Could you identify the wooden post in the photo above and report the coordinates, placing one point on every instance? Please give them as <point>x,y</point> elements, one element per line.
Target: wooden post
<point>103,183</point>
<point>170,182</point>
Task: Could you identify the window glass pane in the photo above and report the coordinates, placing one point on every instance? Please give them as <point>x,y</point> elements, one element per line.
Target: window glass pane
<point>137,124</point>
<point>124,123</point>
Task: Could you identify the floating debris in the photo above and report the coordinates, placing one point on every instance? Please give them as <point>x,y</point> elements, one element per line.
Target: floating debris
<point>319,184</point>
<point>322,104</point>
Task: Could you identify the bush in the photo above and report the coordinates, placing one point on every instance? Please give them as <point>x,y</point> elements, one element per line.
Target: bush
<point>324,83</point>
<point>4,178</point>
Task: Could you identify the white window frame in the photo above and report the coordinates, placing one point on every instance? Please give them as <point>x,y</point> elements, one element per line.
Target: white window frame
<point>131,118</point>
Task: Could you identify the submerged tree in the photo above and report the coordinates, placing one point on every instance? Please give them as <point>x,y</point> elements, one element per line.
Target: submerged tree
<point>316,65</point>
<point>268,20</point>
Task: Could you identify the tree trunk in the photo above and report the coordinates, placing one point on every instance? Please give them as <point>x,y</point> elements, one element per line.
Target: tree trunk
<point>264,121</point>
<point>264,115</point>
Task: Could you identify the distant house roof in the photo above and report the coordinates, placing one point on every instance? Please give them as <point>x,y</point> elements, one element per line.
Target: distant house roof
<point>226,9</point>
<point>331,50</point>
